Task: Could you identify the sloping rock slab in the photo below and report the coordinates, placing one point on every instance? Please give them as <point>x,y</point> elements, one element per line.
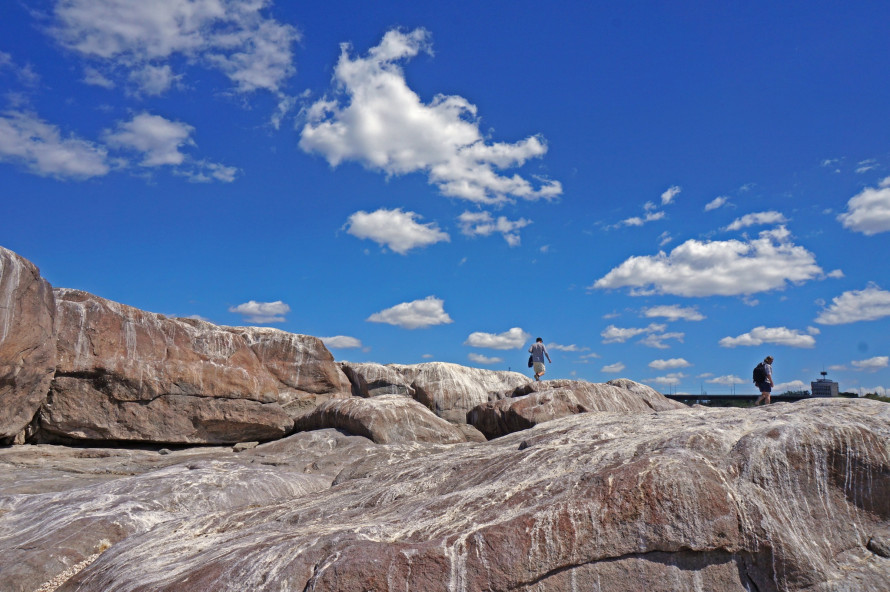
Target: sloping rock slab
<point>450,390</point>
<point>385,419</point>
<point>780,498</point>
<point>27,352</point>
<point>543,401</point>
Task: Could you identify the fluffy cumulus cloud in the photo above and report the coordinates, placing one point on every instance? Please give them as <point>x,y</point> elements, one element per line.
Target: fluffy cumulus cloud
<point>262,313</point>
<point>869,211</point>
<point>121,38</point>
<point>772,335</point>
<point>869,304</point>
<point>159,140</point>
<point>42,149</point>
<point>872,364</point>
<point>374,118</point>
<point>657,340</point>
<point>342,342</point>
<point>710,268</point>
<point>727,380</point>
<point>674,312</point>
<point>672,379</point>
<point>757,219</point>
<point>484,224</point>
<point>417,314</point>
<point>399,231</point>
<point>614,368</point>
<point>669,364</point>
<point>514,338</point>
<point>483,359</point>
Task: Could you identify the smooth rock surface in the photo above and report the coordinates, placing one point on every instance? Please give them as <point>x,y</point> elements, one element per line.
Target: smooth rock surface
<point>27,352</point>
<point>385,419</point>
<point>546,400</point>
<point>785,497</point>
<point>449,390</point>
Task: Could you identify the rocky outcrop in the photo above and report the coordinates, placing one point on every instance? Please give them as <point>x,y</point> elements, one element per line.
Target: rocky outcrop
<point>384,419</point>
<point>538,402</point>
<point>27,353</point>
<point>129,375</point>
<point>790,497</point>
<point>449,390</point>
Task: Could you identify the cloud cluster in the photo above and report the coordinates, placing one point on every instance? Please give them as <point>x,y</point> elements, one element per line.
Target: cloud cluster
<point>417,314</point>
<point>869,304</point>
<point>514,338</point>
<point>869,211</point>
<point>138,42</point>
<point>484,224</point>
<point>773,335</point>
<point>262,313</point>
<point>711,268</point>
<point>757,219</point>
<point>374,118</point>
<point>399,231</point>
<point>654,335</point>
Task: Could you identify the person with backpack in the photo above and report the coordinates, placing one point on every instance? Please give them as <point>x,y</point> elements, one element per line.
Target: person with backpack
<point>763,378</point>
<point>538,351</point>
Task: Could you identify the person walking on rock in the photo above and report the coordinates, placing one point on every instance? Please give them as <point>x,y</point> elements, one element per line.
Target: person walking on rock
<point>765,384</point>
<point>538,352</point>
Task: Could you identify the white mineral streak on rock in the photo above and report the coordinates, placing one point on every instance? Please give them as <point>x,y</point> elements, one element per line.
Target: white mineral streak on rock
<point>688,499</point>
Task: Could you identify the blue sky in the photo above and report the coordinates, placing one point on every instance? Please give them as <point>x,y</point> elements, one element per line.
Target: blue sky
<point>663,191</point>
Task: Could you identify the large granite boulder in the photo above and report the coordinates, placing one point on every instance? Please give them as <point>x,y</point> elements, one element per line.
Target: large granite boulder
<point>27,352</point>
<point>385,419</point>
<point>538,402</point>
<point>130,375</point>
<point>790,497</point>
<point>450,390</point>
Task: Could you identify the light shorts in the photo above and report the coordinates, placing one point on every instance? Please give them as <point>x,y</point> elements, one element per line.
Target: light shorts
<point>539,368</point>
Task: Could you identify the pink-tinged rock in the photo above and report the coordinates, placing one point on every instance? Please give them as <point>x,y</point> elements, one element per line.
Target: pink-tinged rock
<point>538,402</point>
<point>449,390</point>
<point>385,419</point>
<point>127,374</point>
<point>786,498</point>
<point>27,351</point>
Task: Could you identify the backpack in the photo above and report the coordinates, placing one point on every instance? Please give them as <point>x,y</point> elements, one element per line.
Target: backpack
<point>759,374</point>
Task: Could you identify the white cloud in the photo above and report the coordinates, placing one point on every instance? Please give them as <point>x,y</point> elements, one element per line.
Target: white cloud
<point>253,51</point>
<point>484,224</point>
<point>664,238</point>
<point>342,342</point>
<point>93,77</point>
<point>639,221</point>
<point>674,312</point>
<point>717,202</point>
<point>872,364</point>
<point>669,195</point>
<point>154,80</point>
<point>614,368</point>
<point>613,334</point>
<point>40,148</point>
<point>710,268</point>
<point>757,219</point>
<point>671,379</point>
<point>869,211</point>
<point>417,314</point>
<point>374,118</point>
<point>481,359</point>
<point>566,348</point>
<point>793,386</point>
<point>657,340</point>
<point>398,230</point>
<point>262,313</point>
<point>727,380</point>
<point>669,364</point>
<point>866,165</point>
<point>869,304</point>
<point>157,138</point>
<point>206,172</point>
<point>773,335</point>
<point>514,338</point>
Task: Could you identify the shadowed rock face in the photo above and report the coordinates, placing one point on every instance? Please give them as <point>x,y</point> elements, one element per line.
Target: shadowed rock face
<point>787,497</point>
<point>449,390</point>
<point>538,402</point>
<point>384,419</point>
<point>27,353</point>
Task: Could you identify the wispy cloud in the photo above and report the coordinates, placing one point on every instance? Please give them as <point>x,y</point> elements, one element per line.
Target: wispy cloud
<point>757,219</point>
<point>374,118</point>
<point>483,359</point>
<point>417,314</point>
<point>484,224</point>
<point>614,368</point>
<point>674,312</point>
<point>613,334</point>
<point>262,313</point>
<point>717,202</point>
<point>669,195</point>
<point>513,338</point>
<point>399,231</point>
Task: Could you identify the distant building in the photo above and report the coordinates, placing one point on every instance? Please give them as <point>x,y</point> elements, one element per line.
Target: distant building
<point>824,387</point>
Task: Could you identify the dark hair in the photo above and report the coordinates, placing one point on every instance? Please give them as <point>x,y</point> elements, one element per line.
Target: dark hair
<point>539,339</point>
